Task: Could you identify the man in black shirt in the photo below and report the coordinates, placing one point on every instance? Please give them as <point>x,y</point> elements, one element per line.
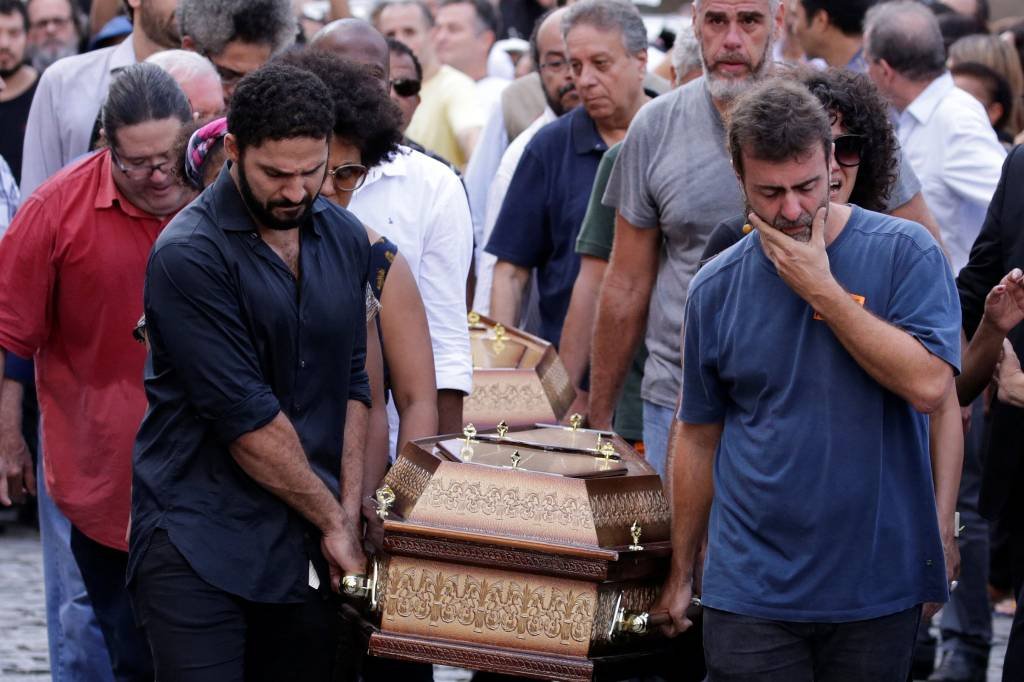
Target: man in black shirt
<point>257,404</point>
<point>18,82</point>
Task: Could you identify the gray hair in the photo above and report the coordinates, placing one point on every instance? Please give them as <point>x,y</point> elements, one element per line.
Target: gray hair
<point>685,53</point>
<point>773,6</point>
<point>140,93</point>
<point>183,65</point>
<point>428,16</point>
<point>212,24</point>
<point>906,35</point>
<point>609,15</point>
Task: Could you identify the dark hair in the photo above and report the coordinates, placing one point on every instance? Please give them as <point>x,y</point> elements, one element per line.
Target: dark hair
<point>139,93</point>
<point>486,17</point>
<point>982,11</point>
<point>862,111</point>
<point>12,6</point>
<point>777,120</point>
<point>364,115</point>
<point>997,87</point>
<point>398,47</point>
<point>534,37</point>
<point>955,26</point>
<point>846,15</point>
<point>906,35</point>
<point>277,102</point>
<point>212,24</point>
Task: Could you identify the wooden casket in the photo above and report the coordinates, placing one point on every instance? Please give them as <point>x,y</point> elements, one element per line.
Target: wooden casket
<point>517,377</point>
<point>534,552</point>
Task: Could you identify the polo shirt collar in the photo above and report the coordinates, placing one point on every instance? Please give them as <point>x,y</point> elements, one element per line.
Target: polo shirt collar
<point>107,193</point>
<point>585,138</point>
<point>928,101</point>
<point>231,212</point>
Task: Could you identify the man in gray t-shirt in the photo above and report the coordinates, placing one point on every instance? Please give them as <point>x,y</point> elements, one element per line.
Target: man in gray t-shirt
<point>671,185</point>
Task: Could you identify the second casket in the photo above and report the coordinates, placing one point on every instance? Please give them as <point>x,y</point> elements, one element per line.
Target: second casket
<point>531,552</point>
<point>517,378</point>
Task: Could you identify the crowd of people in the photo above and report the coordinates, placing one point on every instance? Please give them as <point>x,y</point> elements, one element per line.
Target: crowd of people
<point>781,253</point>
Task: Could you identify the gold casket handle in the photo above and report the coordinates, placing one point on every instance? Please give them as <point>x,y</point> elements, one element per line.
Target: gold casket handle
<point>645,622</point>
<point>361,586</point>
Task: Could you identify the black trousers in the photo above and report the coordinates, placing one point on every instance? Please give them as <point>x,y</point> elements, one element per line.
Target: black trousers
<point>200,633</point>
<point>103,572</point>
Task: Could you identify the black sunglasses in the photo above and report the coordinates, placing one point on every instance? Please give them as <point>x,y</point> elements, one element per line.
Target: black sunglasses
<point>406,87</point>
<point>848,149</point>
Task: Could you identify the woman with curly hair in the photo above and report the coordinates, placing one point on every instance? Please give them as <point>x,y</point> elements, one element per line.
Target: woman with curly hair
<point>865,157</point>
<point>367,131</point>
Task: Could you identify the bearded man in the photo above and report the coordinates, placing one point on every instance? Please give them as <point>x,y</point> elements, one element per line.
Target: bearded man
<point>671,185</point>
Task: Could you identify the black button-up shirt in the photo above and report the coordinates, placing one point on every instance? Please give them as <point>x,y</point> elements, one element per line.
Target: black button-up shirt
<point>235,339</point>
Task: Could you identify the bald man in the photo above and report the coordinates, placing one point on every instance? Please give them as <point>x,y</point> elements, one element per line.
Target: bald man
<point>358,41</point>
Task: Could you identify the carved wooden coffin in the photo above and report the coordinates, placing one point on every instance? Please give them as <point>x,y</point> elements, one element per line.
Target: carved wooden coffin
<point>517,377</point>
<point>515,551</point>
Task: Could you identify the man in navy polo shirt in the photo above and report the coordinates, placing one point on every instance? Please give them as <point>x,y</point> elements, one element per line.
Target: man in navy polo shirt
<point>812,350</point>
<point>541,216</point>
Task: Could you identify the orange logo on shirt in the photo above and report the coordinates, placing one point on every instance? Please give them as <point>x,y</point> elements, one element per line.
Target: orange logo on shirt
<point>856,297</point>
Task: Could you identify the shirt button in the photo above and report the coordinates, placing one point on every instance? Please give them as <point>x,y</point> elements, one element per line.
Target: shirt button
<point>302,363</point>
<point>253,235</point>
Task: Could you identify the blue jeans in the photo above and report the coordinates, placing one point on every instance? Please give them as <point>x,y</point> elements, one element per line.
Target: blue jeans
<point>657,427</point>
<point>78,652</point>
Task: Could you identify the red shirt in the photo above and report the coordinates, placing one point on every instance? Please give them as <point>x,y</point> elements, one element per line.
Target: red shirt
<point>72,267</point>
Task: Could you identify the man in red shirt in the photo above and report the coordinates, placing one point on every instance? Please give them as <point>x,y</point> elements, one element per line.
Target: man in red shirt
<point>71,274</point>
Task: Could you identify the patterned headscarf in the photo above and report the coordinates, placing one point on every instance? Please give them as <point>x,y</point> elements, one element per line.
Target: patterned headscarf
<point>199,146</point>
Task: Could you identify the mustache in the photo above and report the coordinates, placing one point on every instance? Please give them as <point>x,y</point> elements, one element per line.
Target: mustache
<point>781,223</point>
<point>734,57</point>
<point>271,205</point>
<point>566,89</point>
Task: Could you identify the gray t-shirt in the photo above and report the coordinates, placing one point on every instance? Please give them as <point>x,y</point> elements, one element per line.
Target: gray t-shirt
<point>674,174</point>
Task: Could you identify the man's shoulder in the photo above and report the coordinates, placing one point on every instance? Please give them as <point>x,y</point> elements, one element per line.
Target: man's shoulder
<point>423,169</point>
<point>556,135</point>
<point>449,78</point>
<point>77,66</point>
<point>191,226</point>
<point>71,181</point>
<point>905,233</point>
<point>716,274</point>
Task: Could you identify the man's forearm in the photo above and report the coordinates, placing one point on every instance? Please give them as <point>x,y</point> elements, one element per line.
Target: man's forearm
<point>449,410</point>
<point>947,456</point>
<point>273,456</point>
<point>353,458</point>
<point>892,357</point>
<point>507,293</point>
<point>578,329</point>
<point>618,331</point>
<point>692,489</point>
<point>979,361</point>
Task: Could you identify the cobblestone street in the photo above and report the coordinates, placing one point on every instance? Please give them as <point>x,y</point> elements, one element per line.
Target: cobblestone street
<point>23,656</point>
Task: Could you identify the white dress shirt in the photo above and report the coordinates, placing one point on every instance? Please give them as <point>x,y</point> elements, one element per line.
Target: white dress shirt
<point>495,198</point>
<point>480,171</point>
<point>420,205</point>
<point>9,196</point>
<point>64,110</point>
<point>952,147</point>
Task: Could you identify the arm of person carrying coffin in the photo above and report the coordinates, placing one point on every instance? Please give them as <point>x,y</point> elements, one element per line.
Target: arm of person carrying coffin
<point>904,355</point>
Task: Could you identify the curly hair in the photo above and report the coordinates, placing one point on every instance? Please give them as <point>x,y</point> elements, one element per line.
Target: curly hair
<point>862,111</point>
<point>212,24</point>
<point>364,114</point>
<point>277,102</point>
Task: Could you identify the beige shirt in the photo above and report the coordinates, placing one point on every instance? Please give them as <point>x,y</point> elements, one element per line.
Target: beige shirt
<point>449,107</point>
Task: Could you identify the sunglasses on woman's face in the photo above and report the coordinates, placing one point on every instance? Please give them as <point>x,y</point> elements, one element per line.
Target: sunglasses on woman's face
<point>406,87</point>
<point>848,149</point>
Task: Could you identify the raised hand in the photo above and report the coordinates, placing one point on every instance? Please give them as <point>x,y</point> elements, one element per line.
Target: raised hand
<point>1004,305</point>
<point>803,266</point>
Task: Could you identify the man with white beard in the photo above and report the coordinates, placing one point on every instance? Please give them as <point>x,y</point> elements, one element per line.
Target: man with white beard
<point>671,185</point>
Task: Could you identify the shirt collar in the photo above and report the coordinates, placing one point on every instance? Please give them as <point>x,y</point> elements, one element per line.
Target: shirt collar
<point>928,101</point>
<point>397,167</point>
<point>230,210</point>
<point>585,138</point>
<point>123,55</point>
<point>107,193</point>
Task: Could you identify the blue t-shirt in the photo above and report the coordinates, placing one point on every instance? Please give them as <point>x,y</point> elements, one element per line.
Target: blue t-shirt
<point>544,208</point>
<point>824,509</point>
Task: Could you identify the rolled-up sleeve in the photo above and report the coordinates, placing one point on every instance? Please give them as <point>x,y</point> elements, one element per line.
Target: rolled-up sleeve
<point>195,325</point>
<point>444,268</point>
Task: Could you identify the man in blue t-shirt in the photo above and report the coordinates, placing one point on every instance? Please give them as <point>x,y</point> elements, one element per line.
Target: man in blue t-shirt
<point>812,350</point>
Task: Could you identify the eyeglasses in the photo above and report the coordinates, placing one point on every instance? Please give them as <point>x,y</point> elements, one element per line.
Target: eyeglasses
<point>848,149</point>
<point>140,170</point>
<point>555,66</point>
<point>406,87</point>
<point>348,177</point>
